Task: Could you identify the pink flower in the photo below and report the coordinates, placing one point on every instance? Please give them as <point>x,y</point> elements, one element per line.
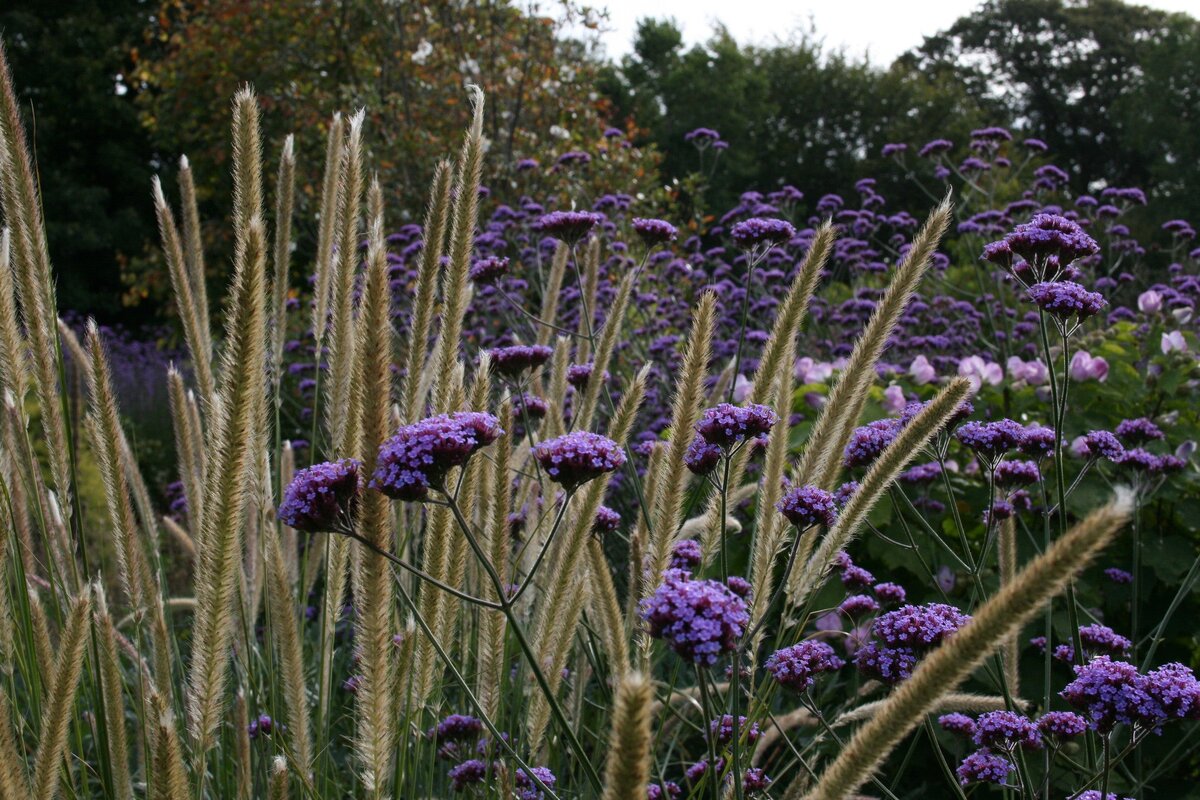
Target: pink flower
<point>1079,447</point>
<point>979,372</point>
<point>742,389</point>
<point>1182,315</point>
<point>922,371</point>
<point>1174,342</point>
<point>1086,368</point>
<point>894,400</point>
<point>1150,302</point>
<point>809,371</point>
<point>1032,372</point>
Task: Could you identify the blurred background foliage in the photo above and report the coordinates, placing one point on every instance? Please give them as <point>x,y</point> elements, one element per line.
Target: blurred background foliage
<point>117,90</point>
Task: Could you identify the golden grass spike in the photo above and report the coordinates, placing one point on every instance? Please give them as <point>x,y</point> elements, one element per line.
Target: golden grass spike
<point>279,779</point>
<point>14,366</point>
<point>1010,652</point>
<point>491,644</point>
<point>189,444</point>
<point>685,411</point>
<point>552,292</point>
<point>285,187</point>
<point>169,776</point>
<point>247,162</point>
<point>14,775</point>
<point>375,697</point>
<point>22,211</point>
<point>951,663</point>
<point>242,763</point>
<point>341,402</point>
<point>425,293</point>
<point>114,701</point>
<point>630,744</point>
<point>606,607</point>
<point>230,476</point>
<point>185,300</point>
<point>591,282</point>
<point>193,248</point>
<point>822,456</point>
<point>327,226</point>
<point>911,439</point>
<point>462,242</point>
<point>281,609</point>
<point>554,424</point>
<point>61,689</point>
<point>604,349</point>
<point>106,425</point>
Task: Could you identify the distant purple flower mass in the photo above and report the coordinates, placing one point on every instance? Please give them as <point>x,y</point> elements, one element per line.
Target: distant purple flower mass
<point>321,497</point>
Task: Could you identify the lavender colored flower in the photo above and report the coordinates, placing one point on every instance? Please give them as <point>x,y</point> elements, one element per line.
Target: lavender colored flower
<point>740,586</point>
<point>983,766</point>
<point>1017,473</point>
<point>1103,639</point>
<point>531,405</point>
<point>1102,444</point>
<point>1094,794</point>
<point>686,555</point>
<point>607,520</point>
<point>1062,724</point>
<point>458,728</point>
<point>887,664</point>
<point>517,358</point>
<point>578,457</point>
<point>857,605</point>
<point>935,147</point>
<point>957,724</point>
<point>699,619</point>
<point>843,493</point>
<point>487,271</point>
<point>702,456</point>
<point>721,729</point>
<point>1066,299</point>
<point>805,506</point>
<point>893,149</point>
<point>1006,730</point>
<point>578,375</point>
<point>1045,239</point>
<point>855,577</point>
<point>1138,431</point>
<point>990,440</point>
<point>654,231</point>
<point>1175,688</point>
<point>869,441</point>
<point>919,627</point>
<point>1118,576</point>
<point>797,667</point>
<point>758,231</point>
<point>527,789</point>
<point>322,497</point>
<point>1112,692</point>
<point>701,136</point>
<point>726,424</point>
<point>569,226</point>
<point>755,780</point>
<point>664,791</point>
<point>419,455</point>
<point>890,592</point>
<point>1139,460</point>
<point>1037,441</point>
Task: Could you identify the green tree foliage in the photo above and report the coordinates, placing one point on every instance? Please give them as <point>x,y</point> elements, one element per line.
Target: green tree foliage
<point>71,59</point>
<point>1114,89</point>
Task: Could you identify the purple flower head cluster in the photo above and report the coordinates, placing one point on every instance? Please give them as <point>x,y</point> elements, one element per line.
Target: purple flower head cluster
<point>1017,473</point>
<point>702,456</point>
<point>569,226</point>
<point>576,458</point>
<point>1062,724</point>
<point>527,788</point>
<point>1112,692</point>
<point>859,605</point>
<point>1066,300</point>
<point>322,497</point>
<point>457,728</point>
<point>1138,431</point>
<point>1037,441</point>
<point>983,766</point>
<point>487,271</point>
<point>890,592</point>
<point>468,773</point>
<point>935,147</point>
<point>721,730</point>
<point>1006,730</point>
<point>607,520</point>
<point>701,136</point>
<point>957,724</point>
<point>1102,444</point>
<point>806,506</point>
<point>421,454</point>
<point>797,667</point>
<point>686,555</point>
<point>869,441</point>
<point>902,636</point>
<point>1101,639</point>
<point>755,780</point>
<point>757,231</point>
<point>699,619</point>
<point>530,405</point>
<point>991,440</point>
<point>726,425</point>
<point>663,791</point>
<point>654,231</point>
<point>1046,240</point>
<point>578,375</point>
<point>1094,794</point>
<point>515,359</point>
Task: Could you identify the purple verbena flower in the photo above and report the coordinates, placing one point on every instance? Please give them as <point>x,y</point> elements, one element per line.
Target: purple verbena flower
<point>699,619</point>
<point>797,667</point>
<point>569,226</point>
<point>322,497</point>
<point>805,506</point>
<point>757,231</point>
<point>983,766</point>
<point>1062,724</point>
<point>418,456</point>
<point>515,359</point>
<point>1006,730</point>
<point>957,724</point>
<point>576,458</point>
<point>1066,299</point>
<point>654,231</point>
<point>726,424</point>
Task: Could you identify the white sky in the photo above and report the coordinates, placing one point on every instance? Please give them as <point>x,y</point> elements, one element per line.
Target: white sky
<point>881,28</point>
